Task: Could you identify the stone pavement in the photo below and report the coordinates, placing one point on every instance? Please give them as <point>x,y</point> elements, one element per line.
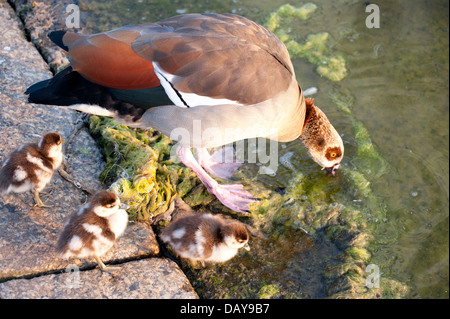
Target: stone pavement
<point>152,278</point>
<point>28,234</point>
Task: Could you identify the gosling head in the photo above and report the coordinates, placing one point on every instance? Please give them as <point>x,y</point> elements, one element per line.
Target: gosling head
<point>235,235</point>
<point>322,141</point>
<point>51,145</point>
<point>105,203</point>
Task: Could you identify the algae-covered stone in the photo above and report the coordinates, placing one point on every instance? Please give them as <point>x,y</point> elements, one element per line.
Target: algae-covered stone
<point>358,254</point>
<point>356,287</point>
<point>269,291</point>
<point>337,270</point>
<point>140,171</point>
<point>392,289</point>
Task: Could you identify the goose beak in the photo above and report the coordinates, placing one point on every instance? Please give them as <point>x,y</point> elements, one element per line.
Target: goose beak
<point>247,247</point>
<point>332,170</point>
<point>124,206</point>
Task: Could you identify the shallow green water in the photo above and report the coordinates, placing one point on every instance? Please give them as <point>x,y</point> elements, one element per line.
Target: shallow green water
<point>399,84</point>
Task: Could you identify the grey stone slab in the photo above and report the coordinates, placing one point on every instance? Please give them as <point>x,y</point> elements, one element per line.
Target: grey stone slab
<point>153,278</point>
<point>28,234</point>
<point>39,18</point>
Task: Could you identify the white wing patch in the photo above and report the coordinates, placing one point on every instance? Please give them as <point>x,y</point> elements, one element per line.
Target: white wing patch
<point>75,243</point>
<point>37,161</point>
<point>20,174</point>
<point>178,233</point>
<point>183,99</point>
<point>196,100</point>
<point>166,79</point>
<point>92,109</point>
<point>93,229</point>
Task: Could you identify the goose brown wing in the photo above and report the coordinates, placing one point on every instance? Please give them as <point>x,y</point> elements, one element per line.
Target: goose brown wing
<point>217,56</point>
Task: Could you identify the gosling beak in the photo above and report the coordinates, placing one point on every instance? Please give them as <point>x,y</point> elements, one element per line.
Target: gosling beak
<point>124,206</point>
<point>332,170</point>
<point>247,247</point>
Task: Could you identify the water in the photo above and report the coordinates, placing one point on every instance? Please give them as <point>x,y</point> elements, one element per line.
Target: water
<point>399,82</point>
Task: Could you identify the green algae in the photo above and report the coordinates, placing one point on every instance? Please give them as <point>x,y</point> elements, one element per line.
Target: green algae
<point>315,47</point>
<point>269,291</point>
<point>307,206</point>
<point>139,170</point>
<point>288,11</point>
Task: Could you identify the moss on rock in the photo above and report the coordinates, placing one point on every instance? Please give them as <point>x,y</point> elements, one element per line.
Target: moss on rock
<point>269,291</point>
<point>140,171</point>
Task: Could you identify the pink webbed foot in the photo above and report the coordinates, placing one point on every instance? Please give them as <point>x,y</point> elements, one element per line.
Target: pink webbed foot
<point>234,196</point>
<point>222,163</point>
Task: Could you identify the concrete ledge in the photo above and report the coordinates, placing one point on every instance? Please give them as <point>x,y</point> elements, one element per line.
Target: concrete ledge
<point>141,279</point>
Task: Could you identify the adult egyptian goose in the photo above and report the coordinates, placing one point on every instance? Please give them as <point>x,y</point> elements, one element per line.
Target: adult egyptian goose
<point>205,80</point>
<point>31,167</point>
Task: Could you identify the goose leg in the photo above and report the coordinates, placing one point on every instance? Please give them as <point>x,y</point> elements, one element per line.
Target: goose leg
<point>105,268</point>
<point>234,196</point>
<point>38,201</point>
<point>222,163</point>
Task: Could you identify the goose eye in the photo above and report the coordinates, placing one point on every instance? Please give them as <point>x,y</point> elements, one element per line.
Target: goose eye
<point>333,153</point>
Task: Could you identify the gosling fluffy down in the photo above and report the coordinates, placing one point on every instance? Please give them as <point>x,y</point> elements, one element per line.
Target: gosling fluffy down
<point>31,166</point>
<point>205,237</point>
<point>93,230</point>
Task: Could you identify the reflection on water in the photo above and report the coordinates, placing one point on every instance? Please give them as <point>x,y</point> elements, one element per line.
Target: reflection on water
<point>398,80</point>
